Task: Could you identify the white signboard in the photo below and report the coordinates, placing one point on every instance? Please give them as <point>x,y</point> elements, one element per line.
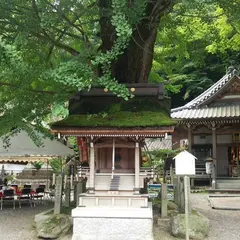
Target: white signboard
<point>185,163</point>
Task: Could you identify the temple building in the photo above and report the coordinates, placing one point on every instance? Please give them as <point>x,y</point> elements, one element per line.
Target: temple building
<point>209,126</point>
<point>113,131</point>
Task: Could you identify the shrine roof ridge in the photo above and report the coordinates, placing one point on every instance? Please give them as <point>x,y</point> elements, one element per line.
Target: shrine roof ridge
<point>210,92</point>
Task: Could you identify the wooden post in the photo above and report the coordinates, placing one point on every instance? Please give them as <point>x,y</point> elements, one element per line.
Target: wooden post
<point>181,195</point>
<point>137,168</point>
<point>71,181</point>
<point>186,194</point>
<point>58,195</point>
<point>176,191</point>
<point>92,169</point>
<point>164,200</point>
<point>67,193</point>
<point>214,156</point>
<point>171,174</point>
<point>189,138</point>
<point>53,179</point>
<point>192,180</point>
<point>113,157</point>
<point>65,181</point>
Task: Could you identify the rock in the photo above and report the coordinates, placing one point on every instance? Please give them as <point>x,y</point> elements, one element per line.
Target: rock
<point>172,206</point>
<point>52,226</point>
<point>198,226</point>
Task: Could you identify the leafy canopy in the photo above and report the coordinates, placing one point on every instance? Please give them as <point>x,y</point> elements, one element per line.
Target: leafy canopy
<point>51,48</point>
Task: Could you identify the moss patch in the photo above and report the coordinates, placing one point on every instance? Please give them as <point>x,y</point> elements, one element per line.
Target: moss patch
<point>118,119</point>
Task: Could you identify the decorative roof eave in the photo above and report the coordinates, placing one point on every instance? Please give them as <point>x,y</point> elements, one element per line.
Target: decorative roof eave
<point>24,159</point>
<point>211,92</point>
<point>208,121</point>
<point>216,94</point>
<point>114,132</point>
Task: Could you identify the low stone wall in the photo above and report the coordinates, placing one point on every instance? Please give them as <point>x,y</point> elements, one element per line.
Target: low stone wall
<point>112,223</point>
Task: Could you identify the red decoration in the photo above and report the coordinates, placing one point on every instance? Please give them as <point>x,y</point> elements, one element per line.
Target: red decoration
<point>82,144</point>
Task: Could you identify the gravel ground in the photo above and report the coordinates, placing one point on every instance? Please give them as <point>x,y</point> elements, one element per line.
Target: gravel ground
<point>18,224</point>
<point>224,224</point>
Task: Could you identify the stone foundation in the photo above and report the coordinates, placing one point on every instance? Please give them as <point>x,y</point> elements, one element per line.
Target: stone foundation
<point>112,223</point>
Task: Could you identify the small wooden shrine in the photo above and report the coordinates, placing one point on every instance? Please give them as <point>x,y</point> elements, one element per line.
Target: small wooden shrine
<point>114,131</point>
<point>209,126</point>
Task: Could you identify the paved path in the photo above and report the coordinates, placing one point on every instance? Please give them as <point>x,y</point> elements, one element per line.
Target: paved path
<point>18,224</point>
<point>225,203</point>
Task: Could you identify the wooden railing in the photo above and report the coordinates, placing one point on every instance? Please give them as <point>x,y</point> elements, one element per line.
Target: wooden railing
<point>153,173</point>
<point>150,172</point>
<point>83,171</point>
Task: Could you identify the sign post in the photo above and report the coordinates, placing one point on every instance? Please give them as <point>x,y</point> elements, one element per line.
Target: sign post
<point>185,166</point>
<point>186,206</point>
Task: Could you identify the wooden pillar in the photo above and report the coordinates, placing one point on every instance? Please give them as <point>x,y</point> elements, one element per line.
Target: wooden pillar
<point>113,157</point>
<point>92,169</point>
<point>189,138</point>
<point>137,168</point>
<point>214,155</point>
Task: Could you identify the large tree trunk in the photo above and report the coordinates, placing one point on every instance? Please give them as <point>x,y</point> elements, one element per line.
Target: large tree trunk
<point>135,64</point>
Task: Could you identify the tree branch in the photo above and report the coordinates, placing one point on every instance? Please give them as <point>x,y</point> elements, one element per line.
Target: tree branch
<point>53,41</point>
<point>71,23</point>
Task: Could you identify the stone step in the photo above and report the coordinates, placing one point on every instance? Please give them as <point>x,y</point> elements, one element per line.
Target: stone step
<point>230,191</point>
<point>227,186</point>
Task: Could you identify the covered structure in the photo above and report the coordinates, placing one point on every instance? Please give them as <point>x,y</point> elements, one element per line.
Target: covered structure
<point>209,126</point>
<point>21,150</point>
<point>114,131</point>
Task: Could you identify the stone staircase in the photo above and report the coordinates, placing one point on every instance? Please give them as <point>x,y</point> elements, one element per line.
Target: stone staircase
<point>226,187</point>
<point>228,184</point>
<point>114,185</point>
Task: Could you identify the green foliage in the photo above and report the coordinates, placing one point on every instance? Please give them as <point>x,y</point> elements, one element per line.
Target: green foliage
<point>159,156</point>
<point>196,43</point>
<point>37,165</point>
<point>57,165</point>
<point>51,49</point>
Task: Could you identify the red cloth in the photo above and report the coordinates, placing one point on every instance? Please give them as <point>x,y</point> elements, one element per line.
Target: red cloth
<point>19,192</point>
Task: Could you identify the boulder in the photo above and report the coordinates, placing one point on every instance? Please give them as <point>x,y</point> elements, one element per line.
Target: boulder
<point>52,226</point>
<point>198,226</point>
<point>172,206</point>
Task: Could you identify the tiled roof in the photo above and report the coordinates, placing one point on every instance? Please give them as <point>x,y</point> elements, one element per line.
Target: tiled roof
<point>155,144</point>
<point>208,112</point>
<point>196,109</point>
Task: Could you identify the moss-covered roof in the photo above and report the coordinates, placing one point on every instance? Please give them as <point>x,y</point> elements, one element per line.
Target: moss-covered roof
<point>118,119</point>
<point>111,111</point>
